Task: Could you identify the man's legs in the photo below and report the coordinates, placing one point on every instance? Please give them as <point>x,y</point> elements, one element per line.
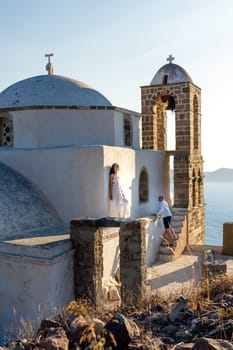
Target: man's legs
<point>168,234</point>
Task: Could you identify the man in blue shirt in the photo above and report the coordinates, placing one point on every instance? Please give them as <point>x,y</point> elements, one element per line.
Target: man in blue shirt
<point>166,215</point>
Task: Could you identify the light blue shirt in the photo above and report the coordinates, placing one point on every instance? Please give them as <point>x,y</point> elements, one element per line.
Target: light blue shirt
<point>164,209</point>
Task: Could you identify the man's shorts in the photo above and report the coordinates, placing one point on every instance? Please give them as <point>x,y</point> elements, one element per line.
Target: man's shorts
<point>167,221</point>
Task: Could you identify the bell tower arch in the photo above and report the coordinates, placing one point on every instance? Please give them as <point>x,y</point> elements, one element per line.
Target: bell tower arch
<point>173,89</point>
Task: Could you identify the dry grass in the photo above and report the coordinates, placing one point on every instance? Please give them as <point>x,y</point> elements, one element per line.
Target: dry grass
<point>81,306</point>
<point>200,297</point>
<point>200,294</point>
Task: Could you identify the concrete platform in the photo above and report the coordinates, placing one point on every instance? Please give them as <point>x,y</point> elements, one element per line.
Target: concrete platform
<point>181,273</point>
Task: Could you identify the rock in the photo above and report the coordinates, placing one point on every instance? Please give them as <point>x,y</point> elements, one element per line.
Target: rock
<point>82,330</point>
<point>170,329</point>
<point>15,345</point>
<point>179,307</point>
<point>183,334</point>
<point>47,323</point>
<point>225,329</point>
<point>208,255</point>
<point>55,339</point>
<point>111,289</point>
<point>212,344</point>
<point>118,332</point>
<point>211,267</point>
<point>183,346</point>
<point>150,344</point>
<point>113,294</point>
<point>224,299</point>
<point>194,325</point>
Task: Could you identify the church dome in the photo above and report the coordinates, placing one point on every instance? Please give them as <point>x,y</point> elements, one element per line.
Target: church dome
<point>23,209</point>
<point>170,74</point>
<point>51,90</point>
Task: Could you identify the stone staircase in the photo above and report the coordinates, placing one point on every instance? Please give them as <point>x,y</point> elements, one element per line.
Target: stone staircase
<point>179,224</point>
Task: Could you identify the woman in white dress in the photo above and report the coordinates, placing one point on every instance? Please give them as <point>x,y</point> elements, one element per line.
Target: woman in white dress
<point>118,204</point>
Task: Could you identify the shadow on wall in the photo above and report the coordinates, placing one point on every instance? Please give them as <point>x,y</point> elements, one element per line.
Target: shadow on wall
<point>154,237</point>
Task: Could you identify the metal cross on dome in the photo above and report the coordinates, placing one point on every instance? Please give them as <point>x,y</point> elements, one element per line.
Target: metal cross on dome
<point>170,58</point>
<point>50,55</point>
<point>49,66</point>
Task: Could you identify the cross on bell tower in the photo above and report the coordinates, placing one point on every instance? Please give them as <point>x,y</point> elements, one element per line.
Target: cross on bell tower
<point>49,66</point>
<point>172,83</point>
<point>170,58</point>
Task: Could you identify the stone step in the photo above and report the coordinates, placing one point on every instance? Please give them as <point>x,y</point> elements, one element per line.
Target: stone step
<point>177,223</point>
<point>171,253</point>
<point>166,257</point>
<point>166,250</point>
<point>179,210</point>
<point>177,229</point>
<point>177,218</point>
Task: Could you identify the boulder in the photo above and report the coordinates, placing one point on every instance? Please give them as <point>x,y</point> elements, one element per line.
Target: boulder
<point>55,339</point>
<point>177,309</point>
<point>119,332</point>
<point>212,344</point>
<point>81,330</point>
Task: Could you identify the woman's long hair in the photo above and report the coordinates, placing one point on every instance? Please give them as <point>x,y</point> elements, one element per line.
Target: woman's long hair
<point>112,169</point>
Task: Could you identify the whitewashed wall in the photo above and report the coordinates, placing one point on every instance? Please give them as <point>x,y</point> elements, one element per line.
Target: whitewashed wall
<point>33,282</point>
<point>131,163</point>
<point>75,180</point>
<point>63,127</point>
<point>153,239</point>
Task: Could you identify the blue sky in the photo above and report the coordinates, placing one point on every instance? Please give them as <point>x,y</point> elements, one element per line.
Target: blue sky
<point>118,45</point>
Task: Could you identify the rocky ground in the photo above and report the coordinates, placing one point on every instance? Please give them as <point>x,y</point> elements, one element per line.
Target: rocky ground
<point>203,320</point>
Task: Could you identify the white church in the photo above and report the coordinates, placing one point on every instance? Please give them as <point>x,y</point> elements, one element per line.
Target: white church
<point>58,140</point>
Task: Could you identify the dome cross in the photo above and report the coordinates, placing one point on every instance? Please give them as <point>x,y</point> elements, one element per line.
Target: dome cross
<point>170,58</point>
<point>49,66</point>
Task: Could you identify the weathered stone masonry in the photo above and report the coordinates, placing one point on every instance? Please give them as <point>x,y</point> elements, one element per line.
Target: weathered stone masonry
<point>133,268</point>
<point>87,237</point>
<point>188,161</point>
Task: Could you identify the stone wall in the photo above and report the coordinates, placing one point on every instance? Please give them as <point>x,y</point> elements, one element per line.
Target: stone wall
<point>228,238</point>
<point>87,238</point>
<point>133,267</point>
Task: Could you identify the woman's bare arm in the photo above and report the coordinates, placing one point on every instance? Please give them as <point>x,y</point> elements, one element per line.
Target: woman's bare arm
<point>110,186</point>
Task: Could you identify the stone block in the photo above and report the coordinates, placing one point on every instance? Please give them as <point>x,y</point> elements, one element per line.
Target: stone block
<point>213,268</point>
<point>228,238</point>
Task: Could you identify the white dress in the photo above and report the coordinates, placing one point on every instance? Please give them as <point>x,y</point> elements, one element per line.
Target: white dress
<point>118,206</point>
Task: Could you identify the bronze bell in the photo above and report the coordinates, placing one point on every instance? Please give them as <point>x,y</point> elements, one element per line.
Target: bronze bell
<point>171,106</point>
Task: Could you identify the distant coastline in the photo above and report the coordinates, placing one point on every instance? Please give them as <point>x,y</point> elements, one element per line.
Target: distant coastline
<point>219,175</point>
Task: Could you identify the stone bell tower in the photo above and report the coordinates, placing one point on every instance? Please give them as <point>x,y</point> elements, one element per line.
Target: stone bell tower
<point>173,89</point>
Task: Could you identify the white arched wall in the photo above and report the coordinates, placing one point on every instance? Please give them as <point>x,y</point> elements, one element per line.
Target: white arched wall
<point>75,180</point>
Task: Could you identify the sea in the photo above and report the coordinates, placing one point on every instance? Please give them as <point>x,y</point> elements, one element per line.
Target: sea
<point>218,210</point>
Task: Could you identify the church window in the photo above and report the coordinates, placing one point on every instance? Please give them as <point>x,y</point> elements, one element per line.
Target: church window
<point>127,131</point>
<point>6,131</point>
<point>165,78</point>
<point>143,186</point>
